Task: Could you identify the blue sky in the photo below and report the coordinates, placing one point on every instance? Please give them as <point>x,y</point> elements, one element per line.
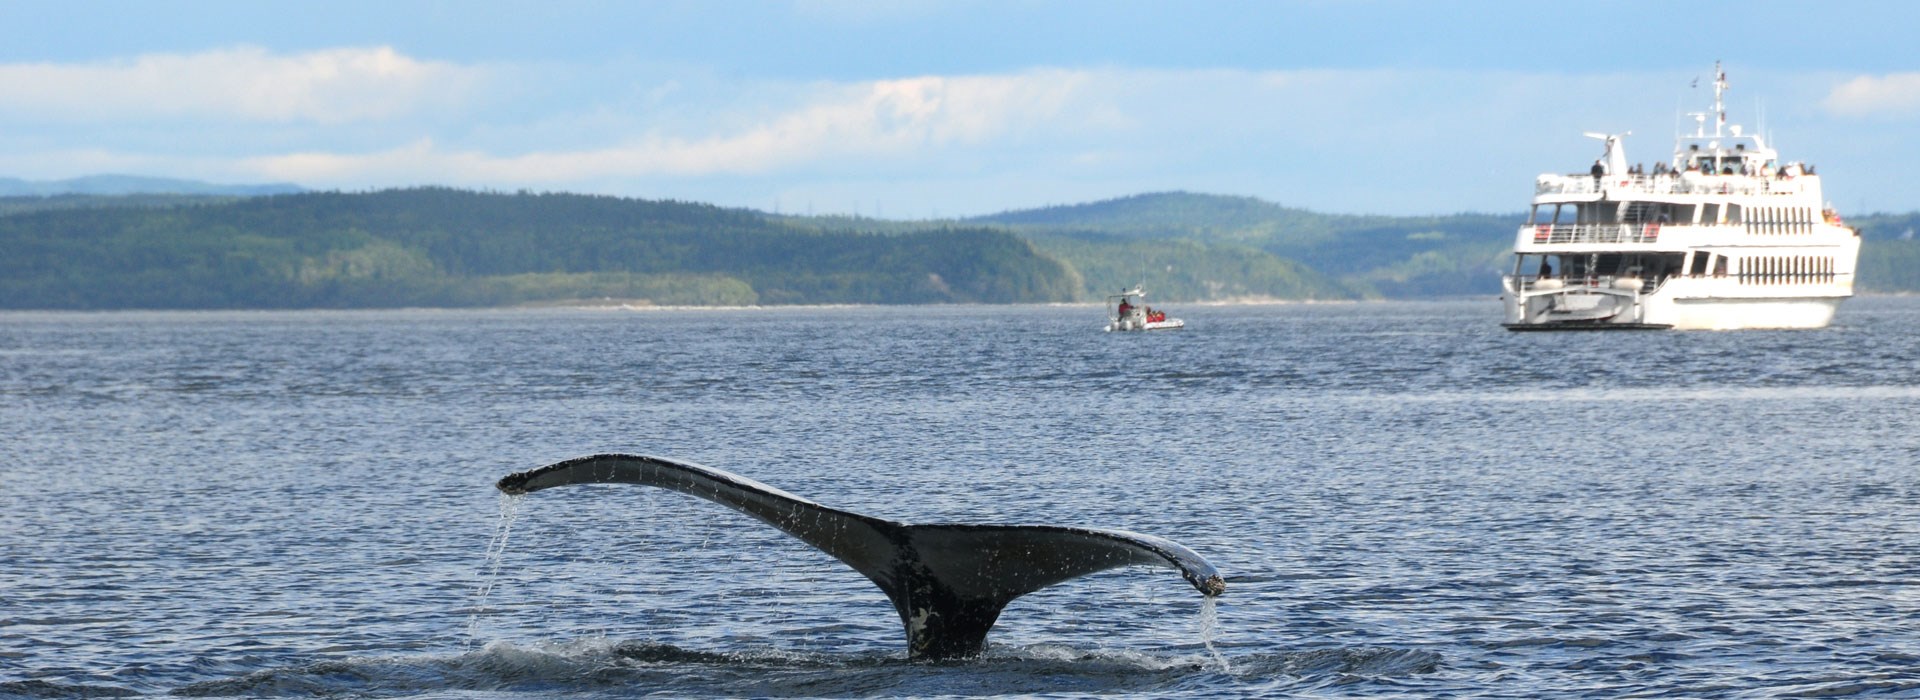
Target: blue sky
<point>924,108</point>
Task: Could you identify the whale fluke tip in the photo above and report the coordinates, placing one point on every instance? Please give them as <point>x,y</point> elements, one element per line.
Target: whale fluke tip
<point>514,484</point>
<point>1214,586</point>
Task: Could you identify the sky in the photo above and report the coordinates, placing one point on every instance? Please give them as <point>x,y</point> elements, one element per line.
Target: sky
<point>916,109</point>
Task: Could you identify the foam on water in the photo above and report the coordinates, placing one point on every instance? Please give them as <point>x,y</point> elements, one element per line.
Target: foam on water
<point>602,666</point>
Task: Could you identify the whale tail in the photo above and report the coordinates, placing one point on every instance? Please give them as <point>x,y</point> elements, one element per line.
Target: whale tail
<point>947,582</point>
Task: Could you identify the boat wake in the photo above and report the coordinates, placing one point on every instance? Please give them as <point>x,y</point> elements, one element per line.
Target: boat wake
<point>620,667</point>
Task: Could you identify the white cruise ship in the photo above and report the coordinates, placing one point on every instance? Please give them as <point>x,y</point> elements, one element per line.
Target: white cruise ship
<point>1725,236</point>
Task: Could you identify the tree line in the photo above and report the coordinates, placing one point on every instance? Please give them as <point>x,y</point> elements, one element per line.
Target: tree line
<point>445,247</point>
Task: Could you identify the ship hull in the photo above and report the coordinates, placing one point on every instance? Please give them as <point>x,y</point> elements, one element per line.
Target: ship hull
<point>1673,307</point>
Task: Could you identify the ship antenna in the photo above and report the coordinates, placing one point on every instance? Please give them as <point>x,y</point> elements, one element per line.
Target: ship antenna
<point>1719,110</point>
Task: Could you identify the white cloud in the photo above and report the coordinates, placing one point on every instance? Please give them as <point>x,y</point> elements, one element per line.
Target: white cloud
<point>246,84</point>
<point>885,119</point>
<point>1379,140</point>
<point>1892,95</point>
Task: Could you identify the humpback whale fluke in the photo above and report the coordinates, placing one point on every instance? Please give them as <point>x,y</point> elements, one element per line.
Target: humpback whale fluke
<point>947,582</point>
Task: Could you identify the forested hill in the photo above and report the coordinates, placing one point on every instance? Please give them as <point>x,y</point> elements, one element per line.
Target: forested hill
<point>1390,256</point>
<point>443,247</point>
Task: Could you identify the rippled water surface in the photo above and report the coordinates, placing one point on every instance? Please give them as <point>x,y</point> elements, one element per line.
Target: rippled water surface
<point>1406,500</point>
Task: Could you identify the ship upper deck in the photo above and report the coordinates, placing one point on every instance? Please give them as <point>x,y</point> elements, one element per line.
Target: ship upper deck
<point>1726,163</point>
<point>1671,186</point>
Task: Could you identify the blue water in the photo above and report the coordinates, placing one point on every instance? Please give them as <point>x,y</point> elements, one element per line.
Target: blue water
<point>1406,500</point>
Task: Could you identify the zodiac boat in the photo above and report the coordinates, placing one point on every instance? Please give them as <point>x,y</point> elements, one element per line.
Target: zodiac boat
<point>1128,311</point>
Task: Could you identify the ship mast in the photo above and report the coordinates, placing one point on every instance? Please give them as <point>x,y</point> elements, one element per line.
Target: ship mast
<point>1719,110</point>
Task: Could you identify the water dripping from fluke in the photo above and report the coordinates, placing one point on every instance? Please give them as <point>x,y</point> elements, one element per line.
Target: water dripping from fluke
<point>1209,629</point>
<point>948,582</point>
<point>490,570</point>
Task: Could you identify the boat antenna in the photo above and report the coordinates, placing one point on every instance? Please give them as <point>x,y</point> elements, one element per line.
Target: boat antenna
<point>1719,109</point>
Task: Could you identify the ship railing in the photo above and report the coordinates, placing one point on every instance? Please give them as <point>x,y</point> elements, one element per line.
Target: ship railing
<point>1684,183</point>
<point>1553,283</point>
<point>1596,233</point>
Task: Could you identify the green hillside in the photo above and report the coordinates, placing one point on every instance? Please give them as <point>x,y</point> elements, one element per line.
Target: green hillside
<point>1178,269</point>
<point>1889,253</point>
<point>441,247</point>
<point>1456,255</point>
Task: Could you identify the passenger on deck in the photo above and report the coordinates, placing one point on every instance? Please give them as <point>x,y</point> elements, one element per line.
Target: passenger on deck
<point>1126,306</point>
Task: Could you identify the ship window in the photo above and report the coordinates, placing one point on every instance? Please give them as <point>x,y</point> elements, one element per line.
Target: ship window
<point>1719,265</point>
<point>1637,212</point>
<point>1667,265</point>
<point>1700,260</point>
<point>1733,213</point>
<point>1710,214</point>
<point>1657,213</point>
<point>1583,213</point>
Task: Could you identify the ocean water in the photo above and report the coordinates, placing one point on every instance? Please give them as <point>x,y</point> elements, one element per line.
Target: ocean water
<point>1406,500</point>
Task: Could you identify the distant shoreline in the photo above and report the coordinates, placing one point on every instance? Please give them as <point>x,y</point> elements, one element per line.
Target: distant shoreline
<point>648,308</point>
<point>630,306</point>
